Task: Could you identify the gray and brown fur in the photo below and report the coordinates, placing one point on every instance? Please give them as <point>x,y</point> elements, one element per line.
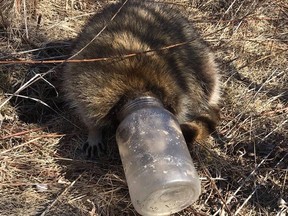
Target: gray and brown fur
<point>184,78</point>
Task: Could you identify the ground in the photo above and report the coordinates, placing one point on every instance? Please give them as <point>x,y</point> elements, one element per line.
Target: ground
<point>243,166</point>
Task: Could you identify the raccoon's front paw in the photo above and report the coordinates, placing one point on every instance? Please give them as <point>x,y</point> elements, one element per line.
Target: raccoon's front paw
<point>94,147</point>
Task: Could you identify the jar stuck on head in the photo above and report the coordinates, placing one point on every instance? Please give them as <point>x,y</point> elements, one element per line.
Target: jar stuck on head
<point>160,174</point>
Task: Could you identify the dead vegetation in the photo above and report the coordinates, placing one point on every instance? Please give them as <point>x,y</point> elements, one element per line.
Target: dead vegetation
<point>243,167</point>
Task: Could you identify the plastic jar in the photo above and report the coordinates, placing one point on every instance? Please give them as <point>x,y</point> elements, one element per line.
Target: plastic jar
<point>158,167</point>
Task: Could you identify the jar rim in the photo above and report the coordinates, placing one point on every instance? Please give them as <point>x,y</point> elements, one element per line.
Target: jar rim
<point>138,103</point>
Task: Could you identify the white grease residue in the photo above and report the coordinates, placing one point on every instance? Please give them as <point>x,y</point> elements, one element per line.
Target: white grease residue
<point>152,166</point>
<point>169,158</point>
<point>165,132</point>
<point>165,172</point>
<point>190,172</point>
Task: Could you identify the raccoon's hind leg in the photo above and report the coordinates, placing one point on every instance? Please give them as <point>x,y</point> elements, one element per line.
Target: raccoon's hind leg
<point>94,146</point>
<point>200,127</point>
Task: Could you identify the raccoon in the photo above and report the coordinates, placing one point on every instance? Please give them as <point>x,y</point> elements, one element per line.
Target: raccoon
<point>183,77</point>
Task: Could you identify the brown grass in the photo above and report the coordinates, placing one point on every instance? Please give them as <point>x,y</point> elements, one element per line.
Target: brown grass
<point>243,167</point>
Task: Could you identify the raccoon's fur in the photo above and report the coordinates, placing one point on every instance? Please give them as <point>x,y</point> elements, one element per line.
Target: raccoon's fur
<point>183,77</point>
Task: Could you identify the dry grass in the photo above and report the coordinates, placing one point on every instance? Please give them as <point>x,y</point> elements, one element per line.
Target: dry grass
<point>243,167</point>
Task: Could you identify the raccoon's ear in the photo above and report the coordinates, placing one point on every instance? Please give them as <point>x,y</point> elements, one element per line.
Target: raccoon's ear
<point>198,129</point>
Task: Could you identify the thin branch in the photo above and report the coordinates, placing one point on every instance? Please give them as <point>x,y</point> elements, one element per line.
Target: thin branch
<point>21,145</point>
<point>69,60</point>
<point>20,133</point>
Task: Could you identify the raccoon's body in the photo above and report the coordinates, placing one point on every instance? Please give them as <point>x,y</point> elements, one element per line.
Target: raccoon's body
<point>184,77</point>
